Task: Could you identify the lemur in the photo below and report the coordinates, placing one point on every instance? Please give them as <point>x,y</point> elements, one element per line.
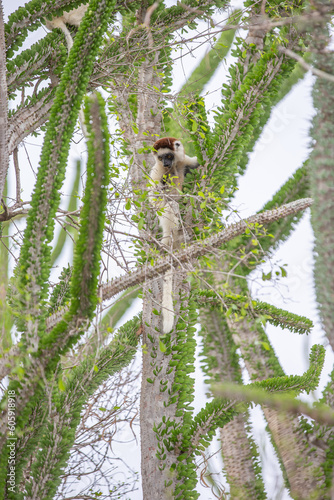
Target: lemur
<point>166,181</point>
<point>166,178</point>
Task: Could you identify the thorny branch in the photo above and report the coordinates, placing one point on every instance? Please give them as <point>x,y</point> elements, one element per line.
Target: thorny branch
<point>191,253</point>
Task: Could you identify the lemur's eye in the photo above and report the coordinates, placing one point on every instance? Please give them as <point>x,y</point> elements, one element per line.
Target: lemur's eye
<point>170,157</point>
<point>160,158</point>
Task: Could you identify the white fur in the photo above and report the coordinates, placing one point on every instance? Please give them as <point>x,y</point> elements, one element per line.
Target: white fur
<point>169,221</point>
<point>73,17</point>
<point>167,303</point>
<point>164,198</point>
<point>167,203</point>
<point>169,216</point>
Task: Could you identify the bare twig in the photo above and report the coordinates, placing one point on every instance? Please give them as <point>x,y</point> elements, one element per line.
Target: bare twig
<point>193,10</point>
<point>148,15</point>
<point>305,65</point>
<point>263,7</point>
<point>9,213</point>
<point>17,176</point>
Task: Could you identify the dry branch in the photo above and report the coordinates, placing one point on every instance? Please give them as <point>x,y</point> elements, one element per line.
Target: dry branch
<point>200,248</point>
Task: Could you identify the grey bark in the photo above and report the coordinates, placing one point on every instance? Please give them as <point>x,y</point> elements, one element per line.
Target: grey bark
<point>4,156</point>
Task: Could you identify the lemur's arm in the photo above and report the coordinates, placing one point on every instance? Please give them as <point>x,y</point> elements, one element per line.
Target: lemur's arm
<point>190,164</point>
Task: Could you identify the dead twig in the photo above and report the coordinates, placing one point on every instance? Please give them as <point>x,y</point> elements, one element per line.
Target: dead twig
<point>305,65</point>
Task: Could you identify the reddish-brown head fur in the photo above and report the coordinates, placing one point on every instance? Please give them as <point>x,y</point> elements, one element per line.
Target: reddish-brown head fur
<point>165,142</point>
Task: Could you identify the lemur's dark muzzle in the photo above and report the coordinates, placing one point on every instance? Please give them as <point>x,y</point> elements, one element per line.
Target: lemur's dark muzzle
<point>167,160</point>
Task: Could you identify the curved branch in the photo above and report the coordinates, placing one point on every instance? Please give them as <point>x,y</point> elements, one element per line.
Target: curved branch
<point>28,119</point>
<point>194,251</point>
<point>200,248</point>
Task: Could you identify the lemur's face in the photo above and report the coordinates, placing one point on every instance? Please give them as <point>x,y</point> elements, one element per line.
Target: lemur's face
<point>168,156</point>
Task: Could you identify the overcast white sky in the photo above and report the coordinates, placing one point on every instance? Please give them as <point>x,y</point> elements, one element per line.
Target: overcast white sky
<point>281,149</point>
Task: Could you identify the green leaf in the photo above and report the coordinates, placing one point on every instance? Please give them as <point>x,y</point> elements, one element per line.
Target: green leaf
<point>266,277</point>
<point>266,346</point>
<point>134,128</point>
<point>128,205</point>
<point>61,385</point>
<point>283,271</point>
<point>162,346</point>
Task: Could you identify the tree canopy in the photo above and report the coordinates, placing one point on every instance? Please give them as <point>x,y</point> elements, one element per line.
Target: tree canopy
<point>104,75</point>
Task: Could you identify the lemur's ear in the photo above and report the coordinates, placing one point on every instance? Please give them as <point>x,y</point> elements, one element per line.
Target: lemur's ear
<point>177,144</point>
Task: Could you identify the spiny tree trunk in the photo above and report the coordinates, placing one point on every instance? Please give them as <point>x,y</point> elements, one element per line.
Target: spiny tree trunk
<point>307,481</point>
<point>321,169</point>
<point>285,431</point>
<point>4,157</point>
<point>240,461</point>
